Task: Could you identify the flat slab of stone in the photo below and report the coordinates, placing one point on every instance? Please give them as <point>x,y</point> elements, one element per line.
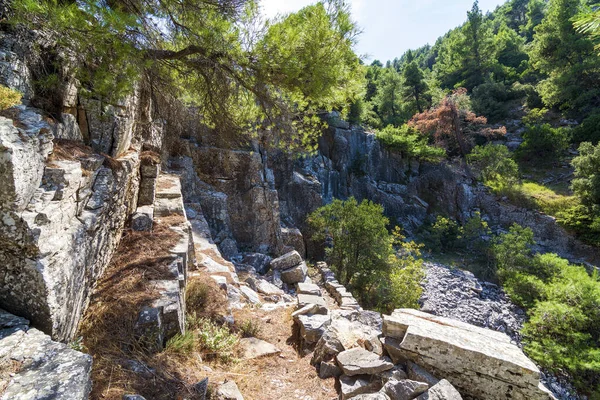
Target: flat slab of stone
<point>256,348</point>
<point>442,390</point>
<point>372,396</point>
<point>305,299</point>
<point>286,261</point>
<point>264,287</point>
<point>351,386</point>
<point>359,361</point>
<point>168,187</point>
<point>308,288</point>
<point>250,294</point>
<point>228,391</point>
<point>478,361</point>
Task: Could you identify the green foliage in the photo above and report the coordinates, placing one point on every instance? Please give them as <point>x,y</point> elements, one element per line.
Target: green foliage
<point>543,142</point>
<point>586,183</point>
<point>495,165</point>
<point>8,98</point>
<point>240,73</point>
<point>588,130</point>
<point>415,86</point>
<point>404,281</point>
<point>493,100</point>
<point>563,302</point>
<point>535,196</point>
<point>582,221</point>
<point>512,250</point>
<point>410,143</point>
<point>445,234</point>
<point>249,328</point>
<point>363,257</point>
<point>536,116</point>
<point>566,58</point>
<point>205,336</point>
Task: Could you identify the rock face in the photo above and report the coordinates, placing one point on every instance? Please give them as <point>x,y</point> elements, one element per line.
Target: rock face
<point>481,362</point>
<point>41,368</point>
<point>57,237</point>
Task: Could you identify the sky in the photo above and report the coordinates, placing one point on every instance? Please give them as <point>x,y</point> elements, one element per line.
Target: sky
<point>390,27</point>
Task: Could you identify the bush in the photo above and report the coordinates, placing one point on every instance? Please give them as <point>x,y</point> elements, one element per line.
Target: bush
<point>9,98</point>
<point>491,100</point>
<point>362,253</point>
<point>249,328</point>
<point>512,250</point>
<point>496,167</point>
<point>523,289</point>
<point>543,142</point>
<point>586,183</point>
<point>583,222</point>
<point>410,143</point>
<point>563,302</point>
<point>446,234</point>
<point>588,131</point>
<point>536,116</point>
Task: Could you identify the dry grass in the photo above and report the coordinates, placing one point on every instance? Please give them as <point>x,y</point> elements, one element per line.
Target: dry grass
<point>108,334</point>
<point>148,157</point>
<point>70,150</point>
<point>108,325</point>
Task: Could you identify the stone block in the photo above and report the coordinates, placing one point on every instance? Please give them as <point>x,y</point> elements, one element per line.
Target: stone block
<point>358,361</point>
<point>478,361</point>
<point>295,274</point>
<point>143,219</point>
<point>306,299</point>
<point>286,261</point>
<point>308,288</point>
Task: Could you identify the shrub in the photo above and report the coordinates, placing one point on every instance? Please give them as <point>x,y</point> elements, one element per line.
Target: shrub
<point>404,282</point>
<point>443,234</point>
<point>512,250</point>
<point>410,143</point>
<point>249,328</point>
<point>588,131</point>
<point>586,183</point>
<point>543,142</point>
<point>523,289</point>
<point>491,99</point>
<point>215,341</point>
<point>9,98</point>
<point>362,253</point>
<point>583,222</point>
<point>196,295</point>
<point>536,116</point>
<point>496,167</point>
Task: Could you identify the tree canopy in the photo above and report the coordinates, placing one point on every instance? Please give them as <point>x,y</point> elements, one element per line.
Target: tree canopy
<point>242,73</point>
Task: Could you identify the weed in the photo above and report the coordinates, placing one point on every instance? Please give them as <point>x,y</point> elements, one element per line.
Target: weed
<point>249,328</point>
<point>8,97</point>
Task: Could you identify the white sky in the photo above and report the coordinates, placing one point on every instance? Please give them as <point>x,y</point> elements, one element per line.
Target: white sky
<point>390,27</point>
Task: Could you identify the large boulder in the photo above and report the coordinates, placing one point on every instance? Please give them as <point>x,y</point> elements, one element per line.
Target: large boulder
<point>480,362</point>
<point>404,389</point>
<point>351,386</point>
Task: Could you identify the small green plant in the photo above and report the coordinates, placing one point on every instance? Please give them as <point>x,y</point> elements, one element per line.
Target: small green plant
<point>9,98</point>
<point>249,328</point>
<point>536,116</point>
<point>205,336</point>
<point>214,340</point>
<point>196,295</point>
<point>77,344</point>
<point>410,143</point>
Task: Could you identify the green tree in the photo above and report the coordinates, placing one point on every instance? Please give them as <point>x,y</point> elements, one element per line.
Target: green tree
<point>210,55</point>
<point>415,86</point>
<point>567,59</point>
<point>362,254</point>
<point>388,102</point>
<point>495,165</point>
<point>535,15</point>
<point>586,183</point>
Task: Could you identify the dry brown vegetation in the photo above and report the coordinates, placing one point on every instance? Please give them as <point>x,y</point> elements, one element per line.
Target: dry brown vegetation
<point>108,325</point>
<point>71,150</point>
